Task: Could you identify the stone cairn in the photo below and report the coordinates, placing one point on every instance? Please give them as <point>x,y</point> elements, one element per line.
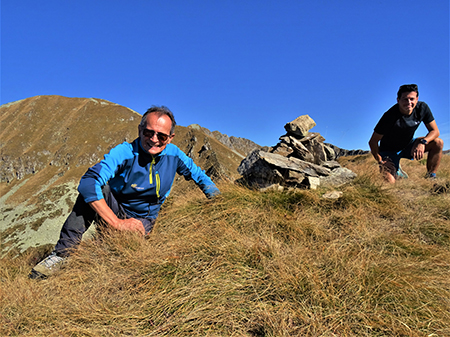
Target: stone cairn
<point>299,160</point>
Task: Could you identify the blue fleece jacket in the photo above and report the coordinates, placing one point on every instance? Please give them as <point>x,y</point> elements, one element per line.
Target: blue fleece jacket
<point>139,181</point>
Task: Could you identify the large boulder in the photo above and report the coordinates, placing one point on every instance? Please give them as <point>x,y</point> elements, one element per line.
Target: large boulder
<point>263,169</point>
<point>338,177</point>
<point>257,171</point>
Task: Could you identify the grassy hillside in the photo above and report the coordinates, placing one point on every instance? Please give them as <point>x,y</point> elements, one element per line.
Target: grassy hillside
<point>375,262</point>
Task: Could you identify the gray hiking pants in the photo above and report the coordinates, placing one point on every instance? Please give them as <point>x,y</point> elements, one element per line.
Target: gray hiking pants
<point>81,218</point>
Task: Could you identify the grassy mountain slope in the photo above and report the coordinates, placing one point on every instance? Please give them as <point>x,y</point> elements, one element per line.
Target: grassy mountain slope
<point>375,262</point>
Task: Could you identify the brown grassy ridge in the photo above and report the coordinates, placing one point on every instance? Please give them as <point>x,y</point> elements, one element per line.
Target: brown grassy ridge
<point>51,140</point>
<point>375,262</point>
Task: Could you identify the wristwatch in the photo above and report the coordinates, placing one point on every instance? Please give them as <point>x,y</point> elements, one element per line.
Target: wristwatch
<point>423,141</point>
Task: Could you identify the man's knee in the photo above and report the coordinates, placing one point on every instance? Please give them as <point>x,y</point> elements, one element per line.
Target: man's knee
<point>437,145</point>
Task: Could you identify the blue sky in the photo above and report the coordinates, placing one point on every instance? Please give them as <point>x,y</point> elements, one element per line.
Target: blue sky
<point>244,68</point>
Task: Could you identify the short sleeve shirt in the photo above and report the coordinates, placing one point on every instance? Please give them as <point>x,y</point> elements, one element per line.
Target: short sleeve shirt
<point>398,130</point>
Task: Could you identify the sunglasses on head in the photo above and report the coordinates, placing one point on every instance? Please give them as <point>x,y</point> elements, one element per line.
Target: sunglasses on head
<point>162,137</point>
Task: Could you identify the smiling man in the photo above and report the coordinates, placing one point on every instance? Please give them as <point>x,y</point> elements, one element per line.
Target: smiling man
<point>128,187</point>
<point>393,136</point>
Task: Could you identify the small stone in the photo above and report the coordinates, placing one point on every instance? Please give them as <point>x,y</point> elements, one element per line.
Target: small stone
<point>312,182</point>
<point>332,195</point>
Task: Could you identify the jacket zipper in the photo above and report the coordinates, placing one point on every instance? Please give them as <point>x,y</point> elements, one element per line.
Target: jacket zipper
<point>158,182</point>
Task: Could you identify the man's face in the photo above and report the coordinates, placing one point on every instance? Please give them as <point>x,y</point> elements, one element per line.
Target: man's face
<point>155,134</point>
<point>407,102</point>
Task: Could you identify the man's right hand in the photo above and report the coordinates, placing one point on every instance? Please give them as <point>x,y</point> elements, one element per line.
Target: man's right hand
<point>130,224</point>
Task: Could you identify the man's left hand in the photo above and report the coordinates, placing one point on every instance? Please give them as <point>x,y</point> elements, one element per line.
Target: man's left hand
<point>418,151</point>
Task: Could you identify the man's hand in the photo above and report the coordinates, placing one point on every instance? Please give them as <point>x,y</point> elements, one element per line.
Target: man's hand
<point>130,224</point>
<point>111,219</point>
<point>418,151</point>
<point>387,166</point>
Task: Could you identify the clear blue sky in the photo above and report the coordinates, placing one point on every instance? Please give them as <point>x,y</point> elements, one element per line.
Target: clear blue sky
<point>244,68</point>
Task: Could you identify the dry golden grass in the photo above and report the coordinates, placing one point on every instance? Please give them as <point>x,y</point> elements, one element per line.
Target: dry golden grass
<point>375,262</point>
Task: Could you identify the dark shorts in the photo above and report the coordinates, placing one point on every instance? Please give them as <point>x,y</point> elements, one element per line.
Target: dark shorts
<point>395,157</point>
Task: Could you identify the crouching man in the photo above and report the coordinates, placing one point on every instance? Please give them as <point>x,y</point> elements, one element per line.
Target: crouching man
<point>393,136</point>
<point>127,188</point>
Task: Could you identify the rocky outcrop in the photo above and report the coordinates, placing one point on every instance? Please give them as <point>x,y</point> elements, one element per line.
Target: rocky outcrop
<point>201,151</point>
<point>343,152</point>
<point>300,159</point>
<point>242,145</point>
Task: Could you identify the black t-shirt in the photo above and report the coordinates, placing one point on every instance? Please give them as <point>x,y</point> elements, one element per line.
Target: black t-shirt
<point>398,130</point>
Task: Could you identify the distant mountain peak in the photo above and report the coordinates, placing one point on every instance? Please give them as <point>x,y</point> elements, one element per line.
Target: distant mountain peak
<point>241,145</point>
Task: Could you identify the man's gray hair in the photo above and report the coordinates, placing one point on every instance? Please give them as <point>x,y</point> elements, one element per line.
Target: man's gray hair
<point>160,111</point>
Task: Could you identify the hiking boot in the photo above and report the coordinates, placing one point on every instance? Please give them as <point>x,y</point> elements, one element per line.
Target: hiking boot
<point>401,174</point>
<point>48,266</point>
<point>430,176</point>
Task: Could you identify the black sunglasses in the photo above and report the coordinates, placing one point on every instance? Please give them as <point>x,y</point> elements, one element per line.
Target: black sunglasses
<point>162,137</point>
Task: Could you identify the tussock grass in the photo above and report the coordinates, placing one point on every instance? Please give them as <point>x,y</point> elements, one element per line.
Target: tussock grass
<point>375,262</point>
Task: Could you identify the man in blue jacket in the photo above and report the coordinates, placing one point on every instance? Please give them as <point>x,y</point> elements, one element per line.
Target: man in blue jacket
<point>127,188</point>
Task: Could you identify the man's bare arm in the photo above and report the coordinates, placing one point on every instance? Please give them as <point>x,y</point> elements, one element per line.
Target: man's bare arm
<point>106,213</point>
<point>419,149</point>
<point>433,131</point>
<point>374,148</point>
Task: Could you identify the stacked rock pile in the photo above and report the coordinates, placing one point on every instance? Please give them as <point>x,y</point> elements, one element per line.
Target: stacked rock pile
<point>300,159</point>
